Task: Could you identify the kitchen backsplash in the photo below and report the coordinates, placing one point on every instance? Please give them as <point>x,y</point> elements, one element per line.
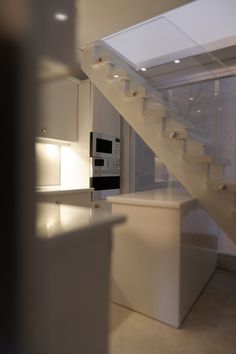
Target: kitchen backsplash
<point>47,164</point>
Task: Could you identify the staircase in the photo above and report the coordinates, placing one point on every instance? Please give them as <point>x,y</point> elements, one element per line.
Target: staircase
<point>170,137</point>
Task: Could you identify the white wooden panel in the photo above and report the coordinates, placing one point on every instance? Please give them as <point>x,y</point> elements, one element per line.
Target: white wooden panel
<point>58,110</point>
<point>105,118</point>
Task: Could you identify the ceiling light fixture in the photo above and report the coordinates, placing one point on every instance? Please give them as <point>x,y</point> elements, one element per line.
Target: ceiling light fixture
<point>60,16</point>
<point>191,98</point>
<point>177,61</point>
<point>144,69</point>
<point>116,76</point>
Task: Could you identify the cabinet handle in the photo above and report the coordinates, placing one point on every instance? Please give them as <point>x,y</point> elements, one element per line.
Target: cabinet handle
<point>96,206</point>
<point>57,202</point>
<point>44,130</point>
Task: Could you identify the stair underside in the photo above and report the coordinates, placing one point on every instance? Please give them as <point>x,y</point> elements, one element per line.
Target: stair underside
<point>193,176</point>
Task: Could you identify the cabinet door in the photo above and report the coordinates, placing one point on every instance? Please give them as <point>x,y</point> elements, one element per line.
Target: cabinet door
<point>105,118</point>
<point>58,110</point>
<point>78,199</point>
<point>103,205</point>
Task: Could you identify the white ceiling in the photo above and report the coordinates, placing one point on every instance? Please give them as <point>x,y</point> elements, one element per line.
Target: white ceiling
<point>100,18</point>
<point>203,25</point>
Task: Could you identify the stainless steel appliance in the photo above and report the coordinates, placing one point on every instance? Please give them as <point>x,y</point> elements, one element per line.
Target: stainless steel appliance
<point>102,145</point>
<point>104,165</point>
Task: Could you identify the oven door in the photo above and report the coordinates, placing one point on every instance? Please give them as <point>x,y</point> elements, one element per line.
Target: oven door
<point>101,145</point>
<point>104,186</point>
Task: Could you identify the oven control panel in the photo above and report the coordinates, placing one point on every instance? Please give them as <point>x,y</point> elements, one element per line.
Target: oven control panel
<point>104,167</point>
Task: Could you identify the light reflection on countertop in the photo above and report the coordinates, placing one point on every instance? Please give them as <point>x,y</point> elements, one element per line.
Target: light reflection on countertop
<point>54,220</point>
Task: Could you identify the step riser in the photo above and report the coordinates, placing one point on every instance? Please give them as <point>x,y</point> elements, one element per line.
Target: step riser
<point>215,173</point>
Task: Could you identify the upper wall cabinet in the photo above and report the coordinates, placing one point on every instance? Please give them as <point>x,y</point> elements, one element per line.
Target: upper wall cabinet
<point>96,113</point>
<point>58,110</point>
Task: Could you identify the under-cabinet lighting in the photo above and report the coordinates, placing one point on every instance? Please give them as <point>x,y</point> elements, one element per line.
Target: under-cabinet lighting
<point>176,61</point>
<point>60,16</point>
<point>144,69</point>
<point>51,150</point>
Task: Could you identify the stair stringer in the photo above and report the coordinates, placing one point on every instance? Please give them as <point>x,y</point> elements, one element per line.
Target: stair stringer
<point>193,177</point>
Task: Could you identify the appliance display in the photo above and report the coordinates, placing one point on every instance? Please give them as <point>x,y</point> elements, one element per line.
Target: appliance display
<point>104,165</point>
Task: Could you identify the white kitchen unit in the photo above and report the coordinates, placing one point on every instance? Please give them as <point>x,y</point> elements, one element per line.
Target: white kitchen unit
<point>71,284</point>
<point>58,109</point>
<point>98,116</point>
<point>97,111</point>
<point>101,204</point>
<point>163,255</point>
<point>64,195</point>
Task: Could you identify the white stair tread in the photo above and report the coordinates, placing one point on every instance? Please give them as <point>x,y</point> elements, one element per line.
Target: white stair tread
<point>187,134</point>
<point>206,158</point>
<point>104,61</point>
<point>223,185</point>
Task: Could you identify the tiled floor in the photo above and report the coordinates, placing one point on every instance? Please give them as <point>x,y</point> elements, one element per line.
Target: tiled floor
<point>210,327</point>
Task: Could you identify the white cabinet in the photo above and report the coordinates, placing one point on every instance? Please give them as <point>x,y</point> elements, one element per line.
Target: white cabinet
<point>58,110</point>
<point>163,255</point>
<point>96,113</point>
<point>70,289</point>
<point>70,197</point>
<point>105,118</point>
<point>102,205</point>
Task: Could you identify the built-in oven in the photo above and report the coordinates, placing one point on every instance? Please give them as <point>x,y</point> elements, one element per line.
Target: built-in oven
<point>104,165</point>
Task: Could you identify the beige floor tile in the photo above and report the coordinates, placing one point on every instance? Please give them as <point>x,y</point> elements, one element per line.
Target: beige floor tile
<point>209,328</point>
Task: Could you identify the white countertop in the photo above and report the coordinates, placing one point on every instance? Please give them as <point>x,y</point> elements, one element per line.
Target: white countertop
<point>61,189</point>
<point>54,220</point>
<point>163,198</point>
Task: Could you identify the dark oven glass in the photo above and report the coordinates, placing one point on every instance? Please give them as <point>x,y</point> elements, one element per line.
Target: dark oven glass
<point>104,146</point>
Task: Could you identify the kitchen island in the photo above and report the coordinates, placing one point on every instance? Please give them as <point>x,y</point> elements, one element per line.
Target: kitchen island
<point>71,284</point>
<point>163,255</point>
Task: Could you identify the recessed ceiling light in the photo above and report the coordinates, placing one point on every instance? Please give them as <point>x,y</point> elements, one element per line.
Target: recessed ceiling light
<point>116,76</point>
<point>191,98</point>
<point>177,61</point>
<point>198,111</point>
<point>220,109</point>
<point>60,16</point>
<point>216,94</point>
<point>144,69</point>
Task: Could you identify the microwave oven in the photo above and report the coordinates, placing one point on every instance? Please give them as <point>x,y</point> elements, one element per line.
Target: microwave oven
<point>104,146</point>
